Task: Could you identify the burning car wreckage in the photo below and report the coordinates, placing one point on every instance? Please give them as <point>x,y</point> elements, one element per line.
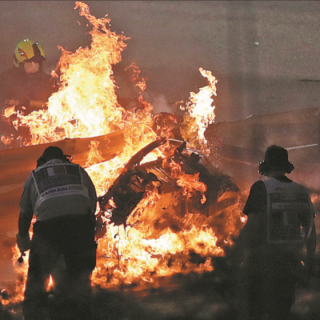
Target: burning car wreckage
<point>165,209</point>
<point>208,196</point>
<point>180,194</point>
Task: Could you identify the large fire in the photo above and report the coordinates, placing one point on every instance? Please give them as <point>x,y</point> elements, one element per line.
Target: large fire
<point>153,244</point>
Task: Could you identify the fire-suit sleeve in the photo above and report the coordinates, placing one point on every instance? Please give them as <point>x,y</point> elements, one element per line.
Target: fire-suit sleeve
<point>26,207</point>
<point>257,199</point>
<point>91,190</point>
<point>253,232</point>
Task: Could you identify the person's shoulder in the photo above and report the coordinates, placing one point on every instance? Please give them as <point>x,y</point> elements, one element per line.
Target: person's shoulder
<point>284,179</point>
<point>29,180</point>
<point>299,185</point>
<point>258,190</point>
<point>258,185</point>
<point>257,198</point>
<point>83,171</point>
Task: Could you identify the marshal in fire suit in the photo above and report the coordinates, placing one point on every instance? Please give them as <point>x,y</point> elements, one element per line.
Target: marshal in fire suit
<point>279,234</point>
<point>26,82</point>
<point>63,198</point>
<point>25,86</point>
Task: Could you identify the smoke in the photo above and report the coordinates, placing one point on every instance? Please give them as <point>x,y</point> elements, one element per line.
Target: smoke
<point>159,103</point>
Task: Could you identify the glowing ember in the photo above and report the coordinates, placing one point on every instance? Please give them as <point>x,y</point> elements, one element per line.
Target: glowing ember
<point>50,284</point>
<point>6,140</point>
<point>166,227</point>
<point>9,111</point>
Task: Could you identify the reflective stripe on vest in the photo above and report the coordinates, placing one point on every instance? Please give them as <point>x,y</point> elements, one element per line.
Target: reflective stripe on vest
<point>289,213</point>
<point>56,180</point>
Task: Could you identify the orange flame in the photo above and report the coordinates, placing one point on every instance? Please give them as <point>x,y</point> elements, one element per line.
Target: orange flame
<point>9,111</point>
<point>200,113</point>
<point>158,239</point>
<point>6,140</point>
<point>190,183</point>
<point>50,284</point>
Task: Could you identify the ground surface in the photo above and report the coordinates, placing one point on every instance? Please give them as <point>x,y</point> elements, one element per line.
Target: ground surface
<point>209,296</point>
<point>216,295</point>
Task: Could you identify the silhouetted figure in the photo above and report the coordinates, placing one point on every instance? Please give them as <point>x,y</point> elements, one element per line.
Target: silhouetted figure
<point>279,229</point>
<point>63,199</point>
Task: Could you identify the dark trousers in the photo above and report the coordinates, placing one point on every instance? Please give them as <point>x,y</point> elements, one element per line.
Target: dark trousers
<point>271,280</point>
<point>70,240</point>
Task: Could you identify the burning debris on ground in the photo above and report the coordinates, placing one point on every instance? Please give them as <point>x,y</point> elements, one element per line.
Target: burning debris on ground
<point>169,216</point>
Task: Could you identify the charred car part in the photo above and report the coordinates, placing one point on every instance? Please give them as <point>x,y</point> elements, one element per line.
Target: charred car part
<point>128,189</point>
<point>127,193</point>
<point>176,201</point>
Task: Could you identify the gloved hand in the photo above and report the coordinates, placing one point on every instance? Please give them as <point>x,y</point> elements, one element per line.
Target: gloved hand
<point>23,243</point>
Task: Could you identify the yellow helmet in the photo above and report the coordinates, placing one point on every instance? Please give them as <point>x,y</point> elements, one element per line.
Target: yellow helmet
<point>28,50</point>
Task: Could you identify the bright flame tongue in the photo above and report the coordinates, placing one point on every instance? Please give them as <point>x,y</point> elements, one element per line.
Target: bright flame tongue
<point>200,113</point>
<point>86,106</point>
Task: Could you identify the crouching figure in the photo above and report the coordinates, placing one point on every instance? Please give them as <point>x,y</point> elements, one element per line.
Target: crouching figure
<point>63,199</point>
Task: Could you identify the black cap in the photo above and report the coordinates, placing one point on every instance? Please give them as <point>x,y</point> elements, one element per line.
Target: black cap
<point>53,153</point>
<point>276,158</point>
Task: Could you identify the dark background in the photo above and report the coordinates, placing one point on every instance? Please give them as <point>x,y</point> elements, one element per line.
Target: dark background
<point>265,54</point>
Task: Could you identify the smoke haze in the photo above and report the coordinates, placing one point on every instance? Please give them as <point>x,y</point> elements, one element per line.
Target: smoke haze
<point>261,52</point>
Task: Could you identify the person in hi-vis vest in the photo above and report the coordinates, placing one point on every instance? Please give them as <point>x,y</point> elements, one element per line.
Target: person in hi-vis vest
<point>279,238</point>
<point>63,199</point>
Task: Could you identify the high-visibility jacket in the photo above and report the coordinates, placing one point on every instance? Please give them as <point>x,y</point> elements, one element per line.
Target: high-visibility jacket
<point>290,214</point>
<point>57,188</point>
